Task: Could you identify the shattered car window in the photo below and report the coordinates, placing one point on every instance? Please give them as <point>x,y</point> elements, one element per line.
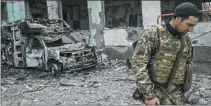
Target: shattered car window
<point>59,41</point>
<point>66,40</point>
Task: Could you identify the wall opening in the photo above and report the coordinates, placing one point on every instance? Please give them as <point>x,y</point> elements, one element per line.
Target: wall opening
<point>36,9</point>
<point>206,6</point>
<point>3,11</point>
<point>75,13</point>
<point>123,13</point>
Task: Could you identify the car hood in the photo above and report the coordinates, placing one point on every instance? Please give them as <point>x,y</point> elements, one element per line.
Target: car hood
<point>68,47</point>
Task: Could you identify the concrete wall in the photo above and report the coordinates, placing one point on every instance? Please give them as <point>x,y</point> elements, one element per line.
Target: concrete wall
<point>54,9</point>
<point>199,29</point>
<point>202,60</point>
<point>202,49</point>
<point>150,14</point>
<point>118,42</point>
<point>96,22</point>
<point>15,10</point>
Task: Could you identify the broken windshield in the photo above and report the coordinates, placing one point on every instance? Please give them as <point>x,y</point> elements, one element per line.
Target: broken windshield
<point>63,40</point>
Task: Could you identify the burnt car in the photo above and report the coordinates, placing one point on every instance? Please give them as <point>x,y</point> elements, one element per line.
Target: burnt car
<point>45,44</point>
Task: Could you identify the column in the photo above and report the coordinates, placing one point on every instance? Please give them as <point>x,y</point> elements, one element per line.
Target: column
<point>150,14</point>
<point>96,22</point>
<point>54,9</point>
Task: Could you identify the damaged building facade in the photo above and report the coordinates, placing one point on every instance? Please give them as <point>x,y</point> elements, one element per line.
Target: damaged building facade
<point>99,22</point>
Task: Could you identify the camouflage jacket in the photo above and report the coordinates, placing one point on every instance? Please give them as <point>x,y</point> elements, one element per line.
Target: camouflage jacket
<point>168,46</point>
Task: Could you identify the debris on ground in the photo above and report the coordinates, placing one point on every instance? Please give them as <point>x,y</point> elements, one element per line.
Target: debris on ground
<point>112,83</point>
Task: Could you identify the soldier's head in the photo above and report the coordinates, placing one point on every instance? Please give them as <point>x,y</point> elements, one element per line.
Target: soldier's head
<point>186,16</point>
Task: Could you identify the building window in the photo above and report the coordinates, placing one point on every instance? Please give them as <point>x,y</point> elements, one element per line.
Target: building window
<point>3,11</point>
<point>206,16</point>
<point>16,35</point>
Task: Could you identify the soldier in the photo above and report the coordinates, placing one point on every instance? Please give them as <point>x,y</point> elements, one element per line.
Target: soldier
<point>161,49</point>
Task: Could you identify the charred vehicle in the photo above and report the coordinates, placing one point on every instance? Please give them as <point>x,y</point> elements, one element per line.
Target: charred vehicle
<point>45,44</point>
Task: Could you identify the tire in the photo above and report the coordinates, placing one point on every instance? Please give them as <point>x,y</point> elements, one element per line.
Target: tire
<point>128,63</point>
<point>3,57</point>
<point>53,67</point>
<point>94,67</point>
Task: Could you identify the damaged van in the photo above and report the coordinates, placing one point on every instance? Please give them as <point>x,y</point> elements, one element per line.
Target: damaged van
<point>45,44</point>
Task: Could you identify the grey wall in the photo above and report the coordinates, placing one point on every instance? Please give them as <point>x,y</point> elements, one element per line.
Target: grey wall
<point>118,42</point>
<point>202,49</point>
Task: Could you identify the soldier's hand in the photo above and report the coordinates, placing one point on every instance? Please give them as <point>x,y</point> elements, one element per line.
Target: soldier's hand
<point>153,101</point>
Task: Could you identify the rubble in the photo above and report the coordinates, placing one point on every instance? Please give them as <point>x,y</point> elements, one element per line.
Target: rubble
<point>120,48</point>
<point>112,83</point>
<point>202,102</point>
<point>79,35</point>
<point>200,92</point>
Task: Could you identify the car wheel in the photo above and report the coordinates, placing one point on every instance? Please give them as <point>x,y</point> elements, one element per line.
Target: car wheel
<point>94,67</point>
<point>54,68</point>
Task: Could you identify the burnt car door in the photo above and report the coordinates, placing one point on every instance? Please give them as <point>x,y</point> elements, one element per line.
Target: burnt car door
<point>34,53</point>
<point>6,45</point>
<point>18,56</point>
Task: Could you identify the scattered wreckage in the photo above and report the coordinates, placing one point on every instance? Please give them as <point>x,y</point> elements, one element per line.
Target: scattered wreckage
<point>45,44</point>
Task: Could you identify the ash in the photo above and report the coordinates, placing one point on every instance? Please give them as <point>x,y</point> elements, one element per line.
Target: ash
<point>111,83</point>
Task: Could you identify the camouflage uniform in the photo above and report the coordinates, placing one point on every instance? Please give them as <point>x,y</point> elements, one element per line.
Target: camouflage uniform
<point>152,68</point>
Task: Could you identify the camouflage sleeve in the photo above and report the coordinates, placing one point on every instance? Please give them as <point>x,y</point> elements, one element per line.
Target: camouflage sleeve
<point>140,60</point>
<point>190,50</point>
<point>188,73</point>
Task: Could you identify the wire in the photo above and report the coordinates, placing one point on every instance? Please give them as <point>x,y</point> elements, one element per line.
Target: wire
<point>201,35</point>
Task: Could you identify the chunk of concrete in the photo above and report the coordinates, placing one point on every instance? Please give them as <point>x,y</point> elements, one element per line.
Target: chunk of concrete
<point>116,37</point>
<point>201,68</point>
<point>202,102</point>
<point>201,53</point>
<point>79,35</point>
<point>199,29</point>
<point>121,53</point>
<point>118,42</point>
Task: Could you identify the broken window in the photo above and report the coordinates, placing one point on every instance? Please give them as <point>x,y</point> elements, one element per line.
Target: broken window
<point>60,42</point>
<point>206,15</point>
<point>4,12</point>
<point>38,8</point>
<point>124,13</point>
<point>66,40</point>
<point>34,53</point>
<point>33,44</point>
<point>36,44</point>
<point>16,35</point>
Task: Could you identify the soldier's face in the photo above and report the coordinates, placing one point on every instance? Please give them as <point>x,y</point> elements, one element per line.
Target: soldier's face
<point>187,25</point>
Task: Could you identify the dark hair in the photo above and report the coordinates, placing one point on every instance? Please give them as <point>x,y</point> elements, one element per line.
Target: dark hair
<point>185,17</point>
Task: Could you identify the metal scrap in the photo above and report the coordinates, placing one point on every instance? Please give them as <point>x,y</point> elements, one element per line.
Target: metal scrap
<point>38,88</point>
